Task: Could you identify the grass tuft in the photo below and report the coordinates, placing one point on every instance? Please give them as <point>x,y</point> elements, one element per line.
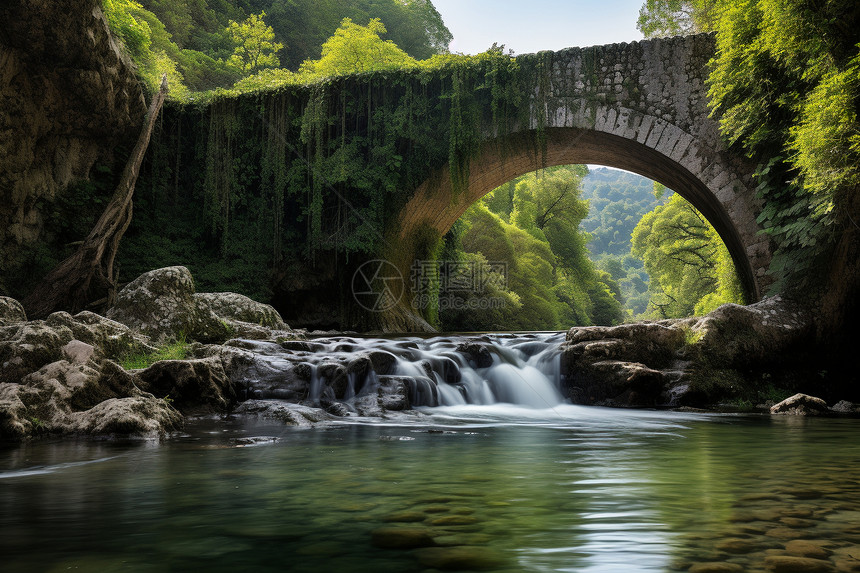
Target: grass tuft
<point>176,350</point>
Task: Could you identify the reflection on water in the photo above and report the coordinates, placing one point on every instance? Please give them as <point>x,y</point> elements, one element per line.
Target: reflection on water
<point>498,488</point>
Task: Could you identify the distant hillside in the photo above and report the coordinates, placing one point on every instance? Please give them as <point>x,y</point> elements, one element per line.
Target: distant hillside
<point>617,201</point>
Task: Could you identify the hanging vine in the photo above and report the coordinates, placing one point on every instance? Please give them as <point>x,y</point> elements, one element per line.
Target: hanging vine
<point>325,167</point>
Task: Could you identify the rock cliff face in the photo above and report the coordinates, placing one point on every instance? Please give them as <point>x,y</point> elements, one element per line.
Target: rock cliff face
<point>68,98</point>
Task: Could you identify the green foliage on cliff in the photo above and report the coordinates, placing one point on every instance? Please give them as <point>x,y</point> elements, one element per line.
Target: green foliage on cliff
<point>307,173</point>
<point>785,85</point>
<point>153,50</point>
<point>356,48</point>
<point>254,45</point>
<point>660,18</point>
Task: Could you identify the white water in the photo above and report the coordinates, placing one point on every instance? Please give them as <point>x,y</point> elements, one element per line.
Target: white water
<point>457,370</point>
<point>524,370</point>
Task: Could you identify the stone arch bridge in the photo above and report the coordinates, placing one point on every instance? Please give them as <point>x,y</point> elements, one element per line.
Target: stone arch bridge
<point>642,107</point>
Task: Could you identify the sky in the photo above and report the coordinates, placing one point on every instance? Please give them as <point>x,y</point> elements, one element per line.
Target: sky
<point>528,26</point>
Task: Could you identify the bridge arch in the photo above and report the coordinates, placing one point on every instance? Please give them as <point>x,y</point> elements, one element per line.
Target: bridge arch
<point>644,111</point>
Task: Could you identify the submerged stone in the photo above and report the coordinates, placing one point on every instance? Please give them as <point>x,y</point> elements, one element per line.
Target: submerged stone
<point>460,557</point>
<point>791,564</point>
<point>806,548</point>
<point>454,520</point>
<point>737,545</point>
<point>401,537</point>
<point>405,517</point>
<point>716,567</point>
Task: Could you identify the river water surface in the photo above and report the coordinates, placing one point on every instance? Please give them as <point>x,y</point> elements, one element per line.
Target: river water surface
<point>496,487</point>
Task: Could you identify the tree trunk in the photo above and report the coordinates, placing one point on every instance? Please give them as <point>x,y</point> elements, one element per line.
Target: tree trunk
<point>86,278</point>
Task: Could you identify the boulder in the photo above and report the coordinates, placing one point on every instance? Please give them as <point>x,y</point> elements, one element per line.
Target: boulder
<point>284,412</point>
<point>82,397</point>
<point>478,355</point>
<point>11,311</point>
<point>236,307</point>
<point>26,347</point>
<point>256,377</point>
<point>143,416</point>
<point>383,362</point>
<point>738,336</point>
<point>652,343</point>
<point>801,405</point>
<point>844,407</point>
<point>615,383</point>
<point>192,386</point>
<point>110,339</point>
<point>697,361</point>
<point>163,305</point>
<point>393,393</point>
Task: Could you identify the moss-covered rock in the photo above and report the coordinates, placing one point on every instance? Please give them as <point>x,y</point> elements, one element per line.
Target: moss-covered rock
<point>236,307</point>
<point>740,336</point>
<point>163,304</point>
<point>727,355</point>
<point>82,397</point>
<point>11,311</point>
<point>192,386</point>
<point>26,347</point>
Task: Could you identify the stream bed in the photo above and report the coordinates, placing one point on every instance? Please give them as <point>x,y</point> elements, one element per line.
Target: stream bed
<point>475,482</point>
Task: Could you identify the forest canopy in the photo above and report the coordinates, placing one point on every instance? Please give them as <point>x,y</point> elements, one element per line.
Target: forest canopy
<point>207,44</point>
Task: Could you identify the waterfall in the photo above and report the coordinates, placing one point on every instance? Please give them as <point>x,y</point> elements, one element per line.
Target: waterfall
<point>477,370</point>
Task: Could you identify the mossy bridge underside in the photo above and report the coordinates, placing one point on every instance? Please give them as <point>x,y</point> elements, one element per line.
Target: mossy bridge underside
<point>406,153</point>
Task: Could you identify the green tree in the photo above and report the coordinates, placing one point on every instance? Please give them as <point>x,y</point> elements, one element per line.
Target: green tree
<point>356,48</point>
<point>532,226</point>
<point>690,268</point>
<point>304,25</point>
<point>658,18</point>
<point>134,32</point>
<point>148,44</point>
<point>255,45</point>
<point>785,85</point>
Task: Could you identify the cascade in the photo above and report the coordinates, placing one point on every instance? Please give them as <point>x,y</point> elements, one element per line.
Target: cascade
<point>455,370</point>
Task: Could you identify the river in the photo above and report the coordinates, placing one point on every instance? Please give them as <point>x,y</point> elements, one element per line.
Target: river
<point>477,484</point>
